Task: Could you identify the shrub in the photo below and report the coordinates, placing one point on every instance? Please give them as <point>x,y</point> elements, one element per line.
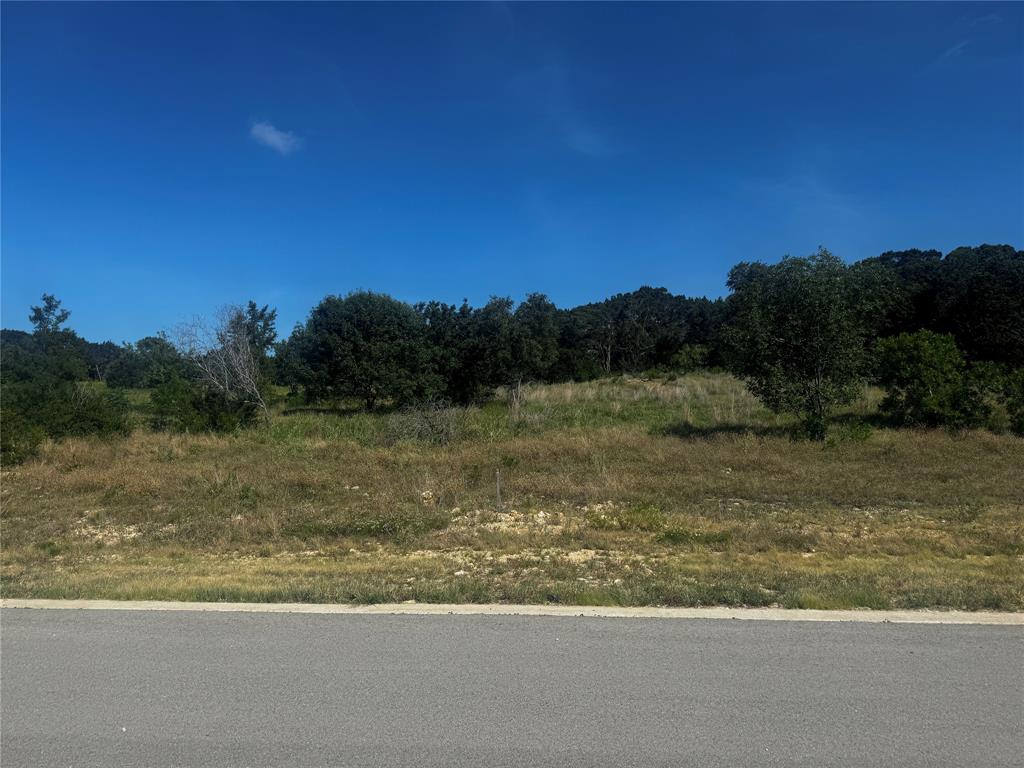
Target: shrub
<point>985,396</point>
<point>19,438</point>
<point>172,407</point>
<point>857,431</point>
<point>34,410</point>
<point>42,389</point>
<point>690,357</point>
<point>221,413</point>
<point>95,412</point>
<point>432,423</point>
<point>1013,400</point>
<point>928,382</point>
<point>178,405</point>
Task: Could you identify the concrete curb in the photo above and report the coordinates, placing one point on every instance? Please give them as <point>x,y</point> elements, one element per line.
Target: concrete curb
<point>469,609</point>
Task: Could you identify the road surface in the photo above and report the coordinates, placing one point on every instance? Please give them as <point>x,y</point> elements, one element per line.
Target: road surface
<point>146,688</point>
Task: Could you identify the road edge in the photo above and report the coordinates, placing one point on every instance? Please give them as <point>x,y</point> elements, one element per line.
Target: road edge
<point>495,609</point>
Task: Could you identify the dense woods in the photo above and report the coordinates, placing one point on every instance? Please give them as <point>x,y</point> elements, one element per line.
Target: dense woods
<point>944,335</point>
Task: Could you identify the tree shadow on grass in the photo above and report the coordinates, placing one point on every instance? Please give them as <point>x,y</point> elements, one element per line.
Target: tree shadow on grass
<point>323,410</point>
<point>688,431</point>
<point>347,409</point>
<point>873,420</point>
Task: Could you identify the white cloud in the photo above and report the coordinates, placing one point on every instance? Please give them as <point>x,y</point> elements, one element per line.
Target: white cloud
<point>987,20</point>
<point>266,134</point>
<point>953,50</point>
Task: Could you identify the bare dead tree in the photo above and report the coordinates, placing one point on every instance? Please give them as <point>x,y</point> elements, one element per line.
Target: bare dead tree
<point>225,357</point>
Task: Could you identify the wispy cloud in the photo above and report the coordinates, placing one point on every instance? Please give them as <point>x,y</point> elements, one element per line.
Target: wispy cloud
<point>586,139</point>
<point>548,91</point>
<point>284,142</point>
<point>805,198</point>
<point>977,35</point>
<point>987,20</point>
<point>954,50</point>
<point>579,132</point>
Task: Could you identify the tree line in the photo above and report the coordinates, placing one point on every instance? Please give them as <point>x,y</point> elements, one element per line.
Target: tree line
<point>944,334</point>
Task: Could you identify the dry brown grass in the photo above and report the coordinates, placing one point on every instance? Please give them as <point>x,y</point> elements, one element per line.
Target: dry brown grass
<point>630,492</point>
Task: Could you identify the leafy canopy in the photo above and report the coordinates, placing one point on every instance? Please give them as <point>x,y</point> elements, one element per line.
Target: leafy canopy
<point>364,345</point>
<point>796,335</point>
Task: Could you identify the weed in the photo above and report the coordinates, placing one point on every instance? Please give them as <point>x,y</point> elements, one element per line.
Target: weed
<point>714,540</point>
<point>603,501</point>
<point>855,431</point>
<point>639,517</point>
<point>49,548</point>
<point>393,523</point>
<point>430,424</point>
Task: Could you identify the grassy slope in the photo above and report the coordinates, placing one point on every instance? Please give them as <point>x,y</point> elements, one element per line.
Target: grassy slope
<point>628,492</point>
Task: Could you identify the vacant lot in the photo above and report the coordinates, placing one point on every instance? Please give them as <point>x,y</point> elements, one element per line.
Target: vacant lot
<point>677,492</point>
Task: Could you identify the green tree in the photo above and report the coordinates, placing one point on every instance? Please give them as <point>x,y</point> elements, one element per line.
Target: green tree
<point>576,360</point>
<point>261,330</point>
<point>49,317</point>
<point>910,280</point>
<point>458,350</point>
<point>41,390</point>
<point>534,340</point>
<point>365,345</point>
<point>52,352</point>
<point>642,329</point>
<point>260,326</point>
<point>981,302</point>
<point>99,357</point>
<point>148,363</point>
<point>796,336</point>
<point>475,350</point>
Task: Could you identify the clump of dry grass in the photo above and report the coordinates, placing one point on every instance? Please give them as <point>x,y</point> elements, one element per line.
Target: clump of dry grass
<point>604,499</point>
<point>428,424</point>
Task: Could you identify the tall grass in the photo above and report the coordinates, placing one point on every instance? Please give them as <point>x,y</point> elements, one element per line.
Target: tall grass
<point>676,491</point>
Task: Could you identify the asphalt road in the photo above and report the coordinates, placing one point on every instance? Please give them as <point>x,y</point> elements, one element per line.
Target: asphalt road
<point>103,688</point>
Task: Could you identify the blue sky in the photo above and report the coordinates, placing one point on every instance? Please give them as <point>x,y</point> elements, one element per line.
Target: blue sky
<point>161,160</point>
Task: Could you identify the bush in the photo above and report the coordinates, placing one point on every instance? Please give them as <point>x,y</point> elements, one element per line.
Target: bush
<point>857,431</point>
<point>19,438</point>
<point>691,357</point>
<point>94,412</point>
<point>42,389</point>
<point>182,406</point>
<point>928,382</point>
<point>34,410</point>
<point>223,414</point>
<point>1013,400</point>
<point>431,424</point>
